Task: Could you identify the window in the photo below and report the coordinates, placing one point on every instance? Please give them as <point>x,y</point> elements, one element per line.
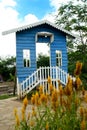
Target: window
<point>58,58</point>
<point>26,58</point>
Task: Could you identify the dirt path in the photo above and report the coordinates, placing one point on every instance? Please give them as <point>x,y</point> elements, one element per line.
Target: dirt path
<point>7,106</point>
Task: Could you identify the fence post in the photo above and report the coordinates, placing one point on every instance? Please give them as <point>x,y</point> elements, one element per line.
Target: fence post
<point>18,89</point>
<point>40,75</point>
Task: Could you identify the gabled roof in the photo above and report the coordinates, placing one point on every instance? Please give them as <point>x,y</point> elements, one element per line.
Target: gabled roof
<point>37,24</point>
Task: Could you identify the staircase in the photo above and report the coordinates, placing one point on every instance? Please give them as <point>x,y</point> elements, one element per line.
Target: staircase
<point>39,77</point>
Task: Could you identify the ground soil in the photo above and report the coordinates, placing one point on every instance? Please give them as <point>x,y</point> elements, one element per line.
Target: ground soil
<point>7,118</point>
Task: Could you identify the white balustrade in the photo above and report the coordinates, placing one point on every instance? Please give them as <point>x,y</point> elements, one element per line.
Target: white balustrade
<point>40,76</point>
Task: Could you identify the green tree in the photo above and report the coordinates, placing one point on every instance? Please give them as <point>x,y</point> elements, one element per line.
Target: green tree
<point>7,68</point>
<point>73,17</point>
<point>43,60</point>
<point>73,57</point>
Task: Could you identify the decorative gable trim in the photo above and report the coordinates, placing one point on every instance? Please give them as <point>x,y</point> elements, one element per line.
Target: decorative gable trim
<point>37,24</point>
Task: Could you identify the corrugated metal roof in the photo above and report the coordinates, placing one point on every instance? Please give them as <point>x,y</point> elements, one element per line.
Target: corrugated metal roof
<point>37,24</point>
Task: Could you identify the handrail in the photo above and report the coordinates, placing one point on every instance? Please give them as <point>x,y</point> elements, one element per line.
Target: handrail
<point>39,77</point>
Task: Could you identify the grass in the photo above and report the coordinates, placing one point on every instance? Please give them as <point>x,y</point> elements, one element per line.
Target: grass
<point>5,96</point>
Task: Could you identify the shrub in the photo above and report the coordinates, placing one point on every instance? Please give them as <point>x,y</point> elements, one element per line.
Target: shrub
<point>62,109</point>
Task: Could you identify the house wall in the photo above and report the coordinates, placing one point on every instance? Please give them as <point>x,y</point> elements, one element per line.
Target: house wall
<point>26,40</point>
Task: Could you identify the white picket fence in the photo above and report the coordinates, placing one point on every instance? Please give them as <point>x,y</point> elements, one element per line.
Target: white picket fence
<point>39,77</point>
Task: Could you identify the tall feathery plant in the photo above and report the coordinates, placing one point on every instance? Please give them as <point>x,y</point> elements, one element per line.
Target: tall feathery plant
<point>61,109</point>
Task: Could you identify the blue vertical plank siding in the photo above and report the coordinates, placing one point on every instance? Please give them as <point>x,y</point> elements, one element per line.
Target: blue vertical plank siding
<point>25,39</point>
<point>59,43</point>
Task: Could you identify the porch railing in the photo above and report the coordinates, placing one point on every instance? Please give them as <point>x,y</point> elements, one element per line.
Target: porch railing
<point>39,77</point>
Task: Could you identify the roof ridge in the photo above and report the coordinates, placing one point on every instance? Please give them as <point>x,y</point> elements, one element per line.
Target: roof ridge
<point>37,24</point>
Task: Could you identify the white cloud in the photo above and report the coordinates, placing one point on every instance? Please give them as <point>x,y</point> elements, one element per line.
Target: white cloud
<point>30,18</point>
<point>50,17</point>
<point>6,3</point>
<point>9,16</point>
<point>55,3</point>
<point>9,19</point>
<point>40,50</point>
<point>7,45</point>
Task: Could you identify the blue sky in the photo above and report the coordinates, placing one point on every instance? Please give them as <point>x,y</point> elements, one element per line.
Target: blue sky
<point>15,13</point>
<point>36,7</point>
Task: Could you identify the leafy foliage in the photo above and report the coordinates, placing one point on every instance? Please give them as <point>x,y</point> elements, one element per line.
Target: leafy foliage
<point>78,55</point>
<point>43,60</point>
<point>73,17</point>
<point>61,109</point>
<point>7,68</point>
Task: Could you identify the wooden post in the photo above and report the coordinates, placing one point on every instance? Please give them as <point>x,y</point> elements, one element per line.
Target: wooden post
<point>18,89</point>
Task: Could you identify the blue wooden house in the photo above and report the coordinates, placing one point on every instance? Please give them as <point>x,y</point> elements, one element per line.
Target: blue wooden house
<point>28,76</point>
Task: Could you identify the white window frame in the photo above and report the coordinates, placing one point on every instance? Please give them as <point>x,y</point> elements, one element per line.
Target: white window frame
<point>58,58</point>
<point>26,57</point>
